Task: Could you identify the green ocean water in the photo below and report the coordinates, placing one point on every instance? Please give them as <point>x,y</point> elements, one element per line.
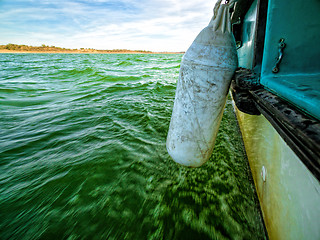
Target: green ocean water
<point>83,156</point>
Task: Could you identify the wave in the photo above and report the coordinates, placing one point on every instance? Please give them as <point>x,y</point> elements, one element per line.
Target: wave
<point>83,137</point>
<point>125,64</point>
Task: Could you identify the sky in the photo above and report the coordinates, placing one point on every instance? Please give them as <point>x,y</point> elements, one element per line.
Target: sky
<point>154,25</point>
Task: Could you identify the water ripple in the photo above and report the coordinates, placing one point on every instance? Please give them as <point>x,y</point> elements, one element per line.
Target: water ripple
<point>83,156</point>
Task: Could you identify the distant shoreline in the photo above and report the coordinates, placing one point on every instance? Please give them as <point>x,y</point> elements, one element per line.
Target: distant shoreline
<point>80,52</point>
<point>15,48</point>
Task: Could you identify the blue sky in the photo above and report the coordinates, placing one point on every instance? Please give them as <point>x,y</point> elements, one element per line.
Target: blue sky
<point>156,25</point>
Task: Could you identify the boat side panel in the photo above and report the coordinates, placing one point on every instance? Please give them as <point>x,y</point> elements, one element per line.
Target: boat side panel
<point>298,79</point>
<point>290,195</point>
<point>246,51</point>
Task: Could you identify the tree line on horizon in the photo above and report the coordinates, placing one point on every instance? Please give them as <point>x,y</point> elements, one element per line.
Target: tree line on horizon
<point>46,48</point>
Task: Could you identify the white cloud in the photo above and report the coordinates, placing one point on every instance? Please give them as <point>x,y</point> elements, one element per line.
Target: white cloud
<point>167,25</point>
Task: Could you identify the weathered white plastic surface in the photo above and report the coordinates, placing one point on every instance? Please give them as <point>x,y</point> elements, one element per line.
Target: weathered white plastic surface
<point>205,74</point>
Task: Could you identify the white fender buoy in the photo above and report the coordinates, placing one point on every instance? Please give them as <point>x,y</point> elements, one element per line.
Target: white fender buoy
<point>205,74</point>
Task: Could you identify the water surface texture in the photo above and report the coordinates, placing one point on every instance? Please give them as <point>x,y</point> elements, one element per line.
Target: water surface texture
<point>83,156</point>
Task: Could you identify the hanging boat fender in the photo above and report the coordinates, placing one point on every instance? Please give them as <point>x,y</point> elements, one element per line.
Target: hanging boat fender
<point>205,75</point>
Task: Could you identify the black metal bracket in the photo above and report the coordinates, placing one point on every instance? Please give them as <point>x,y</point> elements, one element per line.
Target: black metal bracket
<point>281,47</point>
